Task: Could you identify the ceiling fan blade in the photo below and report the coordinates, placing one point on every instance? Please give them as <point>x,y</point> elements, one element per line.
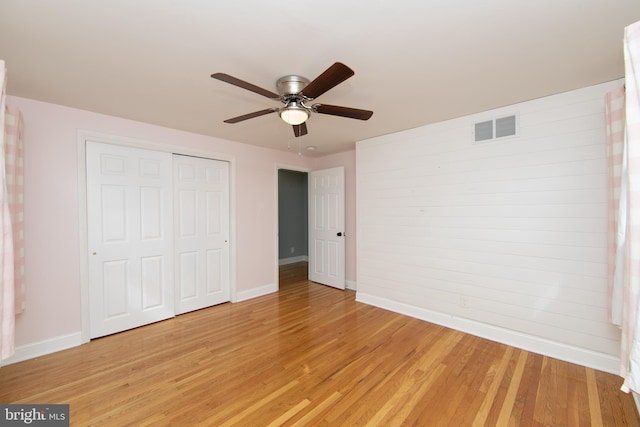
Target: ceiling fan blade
<point>335,110</point>
<point>251,115</point>
<point>245,85</point>
<point>300,130</point>
<point>331,78</point>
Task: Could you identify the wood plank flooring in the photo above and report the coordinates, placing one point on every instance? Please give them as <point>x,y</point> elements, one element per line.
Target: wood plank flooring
<point>310,355</point>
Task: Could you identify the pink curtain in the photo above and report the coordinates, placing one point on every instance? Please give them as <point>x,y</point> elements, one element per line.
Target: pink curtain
<point>7,290</point>
<point>14,176</point>
<point>630,342</point>
<point>11,220</point>
<point>614,114</point>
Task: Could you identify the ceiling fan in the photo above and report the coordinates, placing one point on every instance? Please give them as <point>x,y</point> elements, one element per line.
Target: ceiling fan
<point>296,92</point>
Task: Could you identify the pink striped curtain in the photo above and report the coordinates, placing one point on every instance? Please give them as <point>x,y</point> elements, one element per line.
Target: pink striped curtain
<point>14,179</point>
<point>630,343</point>
<point>7,293</point>
<point>614,114</point>
<point>11,220</point>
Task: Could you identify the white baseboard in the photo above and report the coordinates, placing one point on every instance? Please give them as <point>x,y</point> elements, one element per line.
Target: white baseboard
<point>350,284</point>
<point>285,261</point>
<point>256,292</point>
<point>52,345</point>
<point>568,353</point>
<point>37,349</point>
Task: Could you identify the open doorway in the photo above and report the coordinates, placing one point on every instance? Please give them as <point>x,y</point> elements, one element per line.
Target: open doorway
<point>293,228</point>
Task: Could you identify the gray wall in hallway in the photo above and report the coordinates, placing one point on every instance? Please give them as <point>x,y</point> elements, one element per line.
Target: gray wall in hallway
<point>292,214</point>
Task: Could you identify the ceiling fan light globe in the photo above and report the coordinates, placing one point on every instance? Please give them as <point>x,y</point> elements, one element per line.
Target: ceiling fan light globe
<point>294,115</point>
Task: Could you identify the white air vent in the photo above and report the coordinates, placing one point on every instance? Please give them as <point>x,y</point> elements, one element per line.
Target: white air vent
<point>483,131</point>
<point>490,130</point>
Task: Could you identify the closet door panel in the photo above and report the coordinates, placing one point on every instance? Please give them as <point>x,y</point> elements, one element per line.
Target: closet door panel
<point>130,217</point>
<point>201,191</point>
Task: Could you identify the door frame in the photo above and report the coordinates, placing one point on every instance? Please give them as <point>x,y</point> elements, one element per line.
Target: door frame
<point>82,137</point>
<point>279,166</point>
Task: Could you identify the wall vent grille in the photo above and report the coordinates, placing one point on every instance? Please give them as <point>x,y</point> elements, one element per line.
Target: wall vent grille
<point>483,131</point>
<point>490,130</point>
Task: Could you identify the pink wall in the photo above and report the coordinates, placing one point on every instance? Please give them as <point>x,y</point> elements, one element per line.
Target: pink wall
<point>348,160</point>
<point>52,239</point>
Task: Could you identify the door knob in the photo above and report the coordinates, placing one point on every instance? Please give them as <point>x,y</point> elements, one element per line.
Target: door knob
<point>339,234</point>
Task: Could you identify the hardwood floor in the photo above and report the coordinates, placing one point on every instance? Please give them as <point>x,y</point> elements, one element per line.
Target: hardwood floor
<point>311,356</point>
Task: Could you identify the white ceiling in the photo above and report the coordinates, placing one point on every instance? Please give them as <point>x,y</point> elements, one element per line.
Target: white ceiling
<point>415,62</point>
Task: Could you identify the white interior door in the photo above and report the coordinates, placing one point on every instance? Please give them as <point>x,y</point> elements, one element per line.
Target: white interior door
<point>326,227</point>
<point>201,210</point>
<point>130,237</point>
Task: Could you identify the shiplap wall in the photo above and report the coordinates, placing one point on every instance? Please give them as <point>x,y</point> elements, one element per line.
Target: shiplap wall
<point>503,239</point>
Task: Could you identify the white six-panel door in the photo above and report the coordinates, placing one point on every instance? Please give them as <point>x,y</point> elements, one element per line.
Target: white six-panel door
<point>201,211</point>
<point>326,227</point>
<point>130,237</point>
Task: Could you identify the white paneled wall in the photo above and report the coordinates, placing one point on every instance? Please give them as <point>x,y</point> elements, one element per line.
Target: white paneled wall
<point>504,239</point>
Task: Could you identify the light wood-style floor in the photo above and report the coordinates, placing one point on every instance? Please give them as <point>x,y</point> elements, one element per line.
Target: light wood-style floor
<point>311,356</point>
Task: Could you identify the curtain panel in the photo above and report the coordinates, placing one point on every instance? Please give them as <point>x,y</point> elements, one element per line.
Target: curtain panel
<point>630,340</point>
<point>14,179</point>
<point>617,186</point>
<point>11,220</point>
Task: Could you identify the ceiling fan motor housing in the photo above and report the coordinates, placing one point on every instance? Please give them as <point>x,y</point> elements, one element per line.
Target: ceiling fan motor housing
<point>291,85</point>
